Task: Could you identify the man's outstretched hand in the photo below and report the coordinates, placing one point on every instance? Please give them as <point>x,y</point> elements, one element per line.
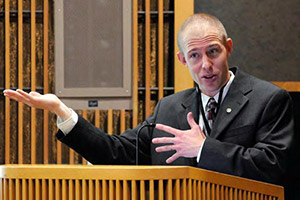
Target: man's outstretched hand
<point>34,99</point>
<point>186,143</point>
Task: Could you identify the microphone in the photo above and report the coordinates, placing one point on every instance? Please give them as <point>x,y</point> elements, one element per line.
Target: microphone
<point>137,140</point>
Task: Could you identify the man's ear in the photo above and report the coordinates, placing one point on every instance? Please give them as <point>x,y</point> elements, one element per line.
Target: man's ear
<point>181,57</point>
<point>229,46</point>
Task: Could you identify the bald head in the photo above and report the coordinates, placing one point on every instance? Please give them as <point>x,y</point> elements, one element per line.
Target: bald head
<point>199,25</point>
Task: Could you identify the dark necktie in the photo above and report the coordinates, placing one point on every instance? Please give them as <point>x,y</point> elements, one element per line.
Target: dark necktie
<point>211,109</point>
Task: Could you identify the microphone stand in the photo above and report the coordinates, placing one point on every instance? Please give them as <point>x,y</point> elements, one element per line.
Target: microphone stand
<point>137,140</point>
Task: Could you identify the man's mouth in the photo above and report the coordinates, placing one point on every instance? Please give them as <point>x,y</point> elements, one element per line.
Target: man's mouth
<point>209,77</point>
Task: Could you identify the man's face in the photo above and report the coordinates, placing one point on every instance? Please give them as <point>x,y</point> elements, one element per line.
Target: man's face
<point>206,57</point>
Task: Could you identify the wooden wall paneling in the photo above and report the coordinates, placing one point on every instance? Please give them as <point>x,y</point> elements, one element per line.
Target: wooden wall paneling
<point>160,49</point>
<point>46,81</point>
<point>182,78</point>
<point>33,79</point>
<point>110,122</point>
<point>148,58</point>
<point>151,190</point>
<point>135,64</point>
<point>7,82</point>
<point>20,80</point>
<point>291,86</point>
<point>160,189</point>
<point>122,121</point>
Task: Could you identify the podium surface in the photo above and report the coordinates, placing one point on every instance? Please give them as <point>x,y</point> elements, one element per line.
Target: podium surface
<point>128,182</point>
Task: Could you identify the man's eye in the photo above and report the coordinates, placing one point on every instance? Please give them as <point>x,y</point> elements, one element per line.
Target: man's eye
<point>194,55</point>
<point>213,52</point>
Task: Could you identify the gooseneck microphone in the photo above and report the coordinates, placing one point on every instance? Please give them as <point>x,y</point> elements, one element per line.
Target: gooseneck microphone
<point>137,140</point>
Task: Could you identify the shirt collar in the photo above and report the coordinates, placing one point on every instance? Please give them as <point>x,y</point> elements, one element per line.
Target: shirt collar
<point>205,98</point>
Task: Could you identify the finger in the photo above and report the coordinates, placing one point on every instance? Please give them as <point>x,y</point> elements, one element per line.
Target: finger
<point>172,158</point>
<point>33,93</point>
<point>164,140</point>
<point>14,95</point>
<point>191,120</point>
<point>168,129</point>
<point>165,148</point>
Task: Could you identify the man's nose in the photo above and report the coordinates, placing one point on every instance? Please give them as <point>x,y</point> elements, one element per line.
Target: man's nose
<point>206,62</point>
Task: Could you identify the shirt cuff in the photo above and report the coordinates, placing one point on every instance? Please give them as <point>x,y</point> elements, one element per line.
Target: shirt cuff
<point>200,150</point>
<point>67,125</point>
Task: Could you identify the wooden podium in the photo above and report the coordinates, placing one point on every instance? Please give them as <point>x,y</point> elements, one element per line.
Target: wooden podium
<point>68,182</point>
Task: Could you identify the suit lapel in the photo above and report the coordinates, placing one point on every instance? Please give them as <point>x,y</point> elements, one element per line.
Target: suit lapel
<point>190,104</point>
<point>233,103</point>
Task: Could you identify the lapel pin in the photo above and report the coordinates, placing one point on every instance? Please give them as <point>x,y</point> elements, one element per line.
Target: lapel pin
<point>228,110</point>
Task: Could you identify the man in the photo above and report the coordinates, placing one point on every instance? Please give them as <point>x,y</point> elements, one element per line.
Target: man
<point>231,123</point>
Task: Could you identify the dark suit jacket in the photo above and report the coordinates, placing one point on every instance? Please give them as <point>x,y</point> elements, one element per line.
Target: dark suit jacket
<point>250,141</point>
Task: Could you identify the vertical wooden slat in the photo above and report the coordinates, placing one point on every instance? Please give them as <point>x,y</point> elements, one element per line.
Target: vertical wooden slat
<point>183,190</point>
<point>203,190</point>
<point>77,190</point>
<point>24,189</point>
<point>11,189</point>
<point>58,152</point>
<point>7,83</point>
<point>190,189</point>
<point>111,190</point>
<point>18,190</point>
<point>33,80</point>
<point>37,189</point>
<point>97,190</point>
<point>147,57</point>
<point>1,188</point>
<point>208,191</point>
<point>199,190</point>
<point>133,190</point>
<point>110,121</point>
<point>64,193</point>
<point>51,190</point>
<point>91,190</point>
<point>160,49</point>
<point>44,189</point>
<point>122,121</point>
<point>97,118</point>
<point>151,190</point>
<point>126,193</point>
<point>71,190</point>
<point>182,77</point>
<point>84,190</point>
<point>6,189</point>
<point>135,64</point>
<point>118,190</point>
<point>20,80</point>
<point>104,190</point>
<point>31,189</point>
<point>194,189</point>
<point>71,156</point>
<point>57,190</point>
<point>213,193</point>
<point>142,190</point>
<point>46,81</point>
<point>169,189</point>
<point>161,190</point>
<point>177,189</point>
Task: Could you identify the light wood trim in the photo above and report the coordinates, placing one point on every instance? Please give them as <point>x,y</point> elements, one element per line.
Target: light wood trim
<point>160,190</point>
<point>126,193</point>
<point>97,118</point>
<point>183,190</point>
<point>24,189</point>
<point>30,189</point>
<point>147,58</point>
<point>58,152</point>
<point>135,63</point>
<point>33,79</point>
<point>151,190</point>
<point>227,183</point>
<point>111,189</point>
<point>177,189</point>
<point>18,190</point>
<point>46,81</point>
<point>97,190</point>
<point>91,189</point>
<point>7,82</point>
<point>133,190</point>
<point>122,121</point>
<point>84,190</point>
<point>118,193</point>
<point>110,122</point>
<point>20,80</point>
<point>291,86</point>
<point>142,190</point>
<point>64,190</point>
<point>160,49</point>
<point>71,156</point>
<point>182,77</point>
<point>44,189</point>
